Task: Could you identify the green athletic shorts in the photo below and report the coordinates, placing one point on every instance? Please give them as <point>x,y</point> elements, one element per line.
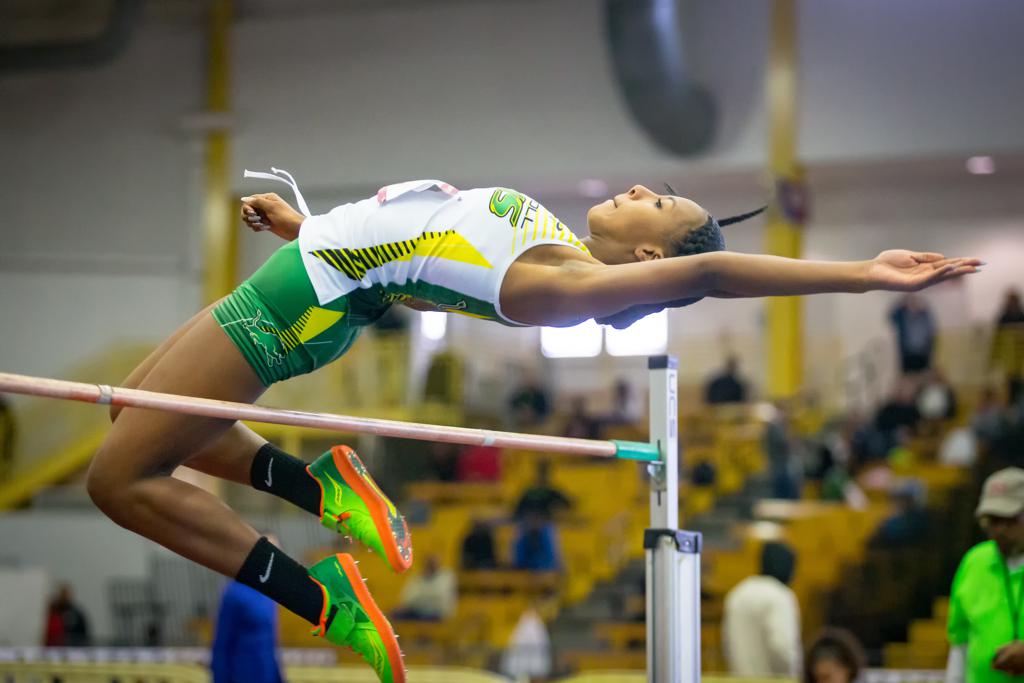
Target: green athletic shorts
<point>277,323</point>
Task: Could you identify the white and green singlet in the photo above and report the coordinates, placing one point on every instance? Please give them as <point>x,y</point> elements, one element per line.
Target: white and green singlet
<point>420,240</point>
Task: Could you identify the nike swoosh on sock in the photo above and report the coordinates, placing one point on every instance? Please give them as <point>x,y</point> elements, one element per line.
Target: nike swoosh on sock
<point>270,565</point>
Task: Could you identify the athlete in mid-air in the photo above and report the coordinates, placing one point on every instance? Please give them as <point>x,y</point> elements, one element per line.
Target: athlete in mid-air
<point>490,253</point>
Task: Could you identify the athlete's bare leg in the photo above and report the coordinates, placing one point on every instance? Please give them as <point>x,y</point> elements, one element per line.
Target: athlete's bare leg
<point>230,455</point>
<point>129,479</point>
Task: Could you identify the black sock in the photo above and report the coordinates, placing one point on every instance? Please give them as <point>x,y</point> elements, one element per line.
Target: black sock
<point>274,471</point>
<point>268,570</point>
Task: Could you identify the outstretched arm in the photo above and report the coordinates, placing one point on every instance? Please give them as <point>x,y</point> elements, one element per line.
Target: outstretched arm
<point>568,294</point>
<point>747,275</point>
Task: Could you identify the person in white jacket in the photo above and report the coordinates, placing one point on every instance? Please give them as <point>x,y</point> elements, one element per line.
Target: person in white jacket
<point>761,620</point>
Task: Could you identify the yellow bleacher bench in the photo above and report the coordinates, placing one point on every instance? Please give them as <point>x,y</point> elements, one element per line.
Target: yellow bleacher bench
<point>466,492</point>
<point>506,581</point>
<point>622,635</point>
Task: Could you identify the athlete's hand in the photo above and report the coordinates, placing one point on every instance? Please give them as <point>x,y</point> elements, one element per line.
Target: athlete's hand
<point>270,212</point>
<point>899,270</point>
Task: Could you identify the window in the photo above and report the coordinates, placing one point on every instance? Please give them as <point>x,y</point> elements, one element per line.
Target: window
<point>645,337</point>
<point>433,325</point>
<point>581,341</point>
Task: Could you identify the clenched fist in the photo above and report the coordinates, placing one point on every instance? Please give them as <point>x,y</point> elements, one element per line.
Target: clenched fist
<point>270,212</point>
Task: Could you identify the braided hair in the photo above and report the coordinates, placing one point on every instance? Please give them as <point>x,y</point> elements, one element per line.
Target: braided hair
<point>707,237</point>
<point>700,240</point>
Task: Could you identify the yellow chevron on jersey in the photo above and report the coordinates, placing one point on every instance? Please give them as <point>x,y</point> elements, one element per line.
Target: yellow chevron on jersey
<point>314,321</point>
<point>449,245</point>
<point>446,244</point>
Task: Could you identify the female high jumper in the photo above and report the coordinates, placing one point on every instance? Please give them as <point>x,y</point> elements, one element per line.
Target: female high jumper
<point>490,253</point>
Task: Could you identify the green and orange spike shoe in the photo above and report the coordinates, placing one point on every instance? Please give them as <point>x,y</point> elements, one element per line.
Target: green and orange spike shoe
<point>351,618</point>
<point>353,504</point>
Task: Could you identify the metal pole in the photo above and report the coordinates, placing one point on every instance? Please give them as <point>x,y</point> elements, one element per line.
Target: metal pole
<point>662,587</point>
<point>672,556</point>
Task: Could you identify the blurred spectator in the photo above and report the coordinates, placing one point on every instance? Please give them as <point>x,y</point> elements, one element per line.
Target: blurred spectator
<point>478,547</point>
<point>908,525</point>
<point>902,456</point>
<point>541,498</point>
<point>1008,345</point>
<point>761,619</point>
<point>430,595</point>
<point>959,448</point>
<point>479,463</point>
<point>821,458</point>
<point>839,486</point>
<point>989,419</point>
<point>528,655</point>
<point>66,623</point>
<point>936,399</point>
<point>704,474</point>
<point>536,546</point>
<point>915,333</point>
<point>1013,310</point>
<point>986,621</point>
<point>867,444</point>
<point>626,406</point>
<point>444,461</point>
<point>245,637</point>
<point>898,412</point>
<point>445,378</point>
<point>876,477</point>
<point>7,431</point>
<point>530,404</point>
<point>580,423</point>
<point>1008,446</point>
<point>835,656</point>
<point>785,456</point>
<point>727,386</point>
<point>836,482</point>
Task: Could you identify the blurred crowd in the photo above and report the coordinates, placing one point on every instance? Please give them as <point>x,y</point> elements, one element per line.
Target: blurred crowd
<point>851,459</point>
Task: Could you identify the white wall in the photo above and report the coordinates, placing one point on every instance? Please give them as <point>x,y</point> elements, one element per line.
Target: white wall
<point>521,93</point>
<point>83,549</point>
<point>99,189</point>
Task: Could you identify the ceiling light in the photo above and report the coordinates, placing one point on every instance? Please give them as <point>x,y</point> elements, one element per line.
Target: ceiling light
<point>593,188</point>
<point>981,165</point>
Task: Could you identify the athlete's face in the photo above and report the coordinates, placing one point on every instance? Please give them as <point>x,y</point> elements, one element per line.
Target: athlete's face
<point>639,225</point>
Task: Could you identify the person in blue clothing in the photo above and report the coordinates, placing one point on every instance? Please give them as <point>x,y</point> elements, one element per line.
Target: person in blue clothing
<point>245,641</point>
<point>536,547</point>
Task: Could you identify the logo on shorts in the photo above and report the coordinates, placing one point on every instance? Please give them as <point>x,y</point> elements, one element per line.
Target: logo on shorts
<point>461,306</point>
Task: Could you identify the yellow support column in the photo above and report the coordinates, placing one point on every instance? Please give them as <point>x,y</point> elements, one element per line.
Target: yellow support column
<point>784,232</point>
<point>220,236</point>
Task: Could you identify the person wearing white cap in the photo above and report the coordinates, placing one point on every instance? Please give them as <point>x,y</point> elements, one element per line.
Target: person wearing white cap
<point>986,620</point>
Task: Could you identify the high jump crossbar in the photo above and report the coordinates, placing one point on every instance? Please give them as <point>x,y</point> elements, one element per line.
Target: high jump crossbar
<point>672,556</point>
<point>205,407</point>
